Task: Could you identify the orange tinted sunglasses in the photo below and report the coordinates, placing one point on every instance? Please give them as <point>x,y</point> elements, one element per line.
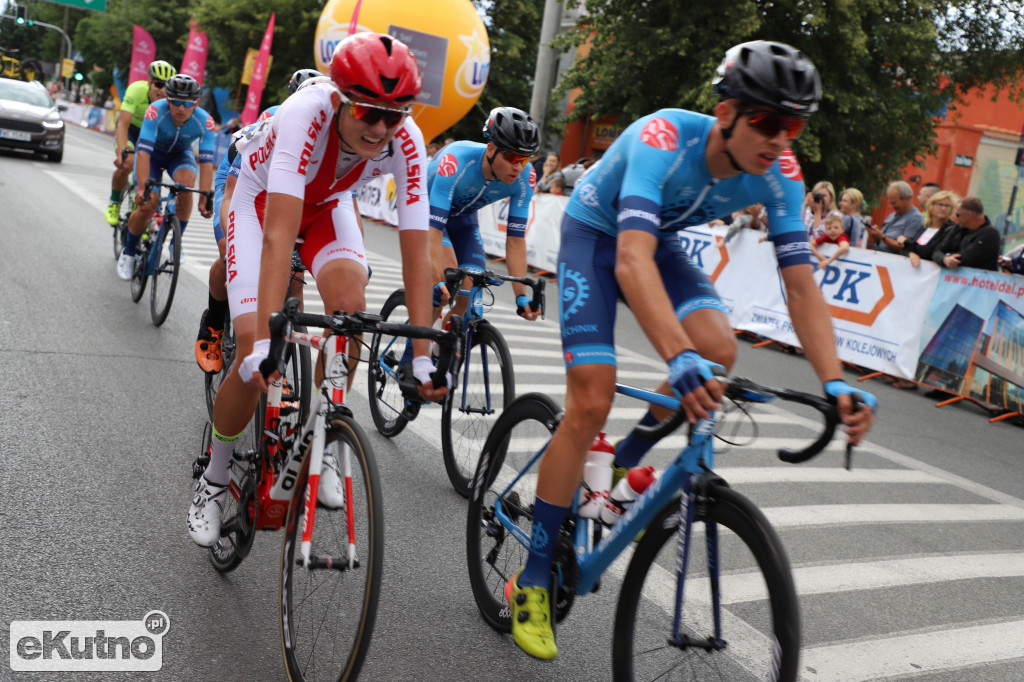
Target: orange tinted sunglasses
<point>769,123</point>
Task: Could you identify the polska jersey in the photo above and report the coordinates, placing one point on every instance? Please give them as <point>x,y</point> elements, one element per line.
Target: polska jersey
<point>294,153</point>
<point>457,186</point>
<point>160,135</point>
<point>655,178</point>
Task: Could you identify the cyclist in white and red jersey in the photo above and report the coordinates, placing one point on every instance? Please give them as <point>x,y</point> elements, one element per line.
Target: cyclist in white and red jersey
<point>299,170</point>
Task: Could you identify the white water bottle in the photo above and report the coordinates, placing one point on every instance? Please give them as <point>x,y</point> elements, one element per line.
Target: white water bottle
<point>630,487</point>
<point>597,477</point>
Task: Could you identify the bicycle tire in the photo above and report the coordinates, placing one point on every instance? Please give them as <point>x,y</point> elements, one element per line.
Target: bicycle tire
<point>760,618</point>
<point>121,228</point>
<point>386,400</point>
<point>239,512</point>
<point>319,606</point>
<point>492,555</point>
<point>212,382</point>
<point>139,276</point>
<point>166,265</point>
<point>469,412</point>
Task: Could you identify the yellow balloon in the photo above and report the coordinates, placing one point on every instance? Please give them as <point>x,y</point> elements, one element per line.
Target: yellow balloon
<point>449,41</point>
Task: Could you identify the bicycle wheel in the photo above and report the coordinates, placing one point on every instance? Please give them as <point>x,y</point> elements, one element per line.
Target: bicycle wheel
<point>238,518</point>
<point>121,229</point>
<point>760,613</point>
<point>486,385</point>
<point>492,553</point>
<point>328,609</point>
<point>139,275</point>
<point>212,382</point>
<point>165,269</point>
<point>386,400</point>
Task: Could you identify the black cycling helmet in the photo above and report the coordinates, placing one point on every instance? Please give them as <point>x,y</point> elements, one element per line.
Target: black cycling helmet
<point>771,74</point>
<point>299,77</point>
<point>182,87</point>
<point>512,130</point>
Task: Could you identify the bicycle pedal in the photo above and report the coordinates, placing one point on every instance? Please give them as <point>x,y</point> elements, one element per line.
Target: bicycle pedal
<point>411,410</point>
<point>199,466</point>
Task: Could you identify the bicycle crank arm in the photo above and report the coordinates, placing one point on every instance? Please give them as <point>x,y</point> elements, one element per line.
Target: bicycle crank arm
<point>708,644</point>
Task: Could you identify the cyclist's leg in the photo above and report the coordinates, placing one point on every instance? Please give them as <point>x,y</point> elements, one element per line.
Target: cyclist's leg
<point>211,327</point>
<point>703,317</point>
<point>184,170</point>
<point>333,252</point>
<point>236,399</point>
<point>463,246</point>
<point>590,293</point>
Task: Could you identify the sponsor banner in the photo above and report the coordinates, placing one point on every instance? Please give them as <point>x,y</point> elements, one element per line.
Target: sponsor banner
<point>194,62</point>
<point>143,52</point>
<point>972,341</point>
<point>543,229</point>
<point>259,76</point>
<point>378,200</point>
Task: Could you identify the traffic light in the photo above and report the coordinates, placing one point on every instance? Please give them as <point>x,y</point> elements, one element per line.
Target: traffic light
<point>19,13</point>
<point>78,75</point>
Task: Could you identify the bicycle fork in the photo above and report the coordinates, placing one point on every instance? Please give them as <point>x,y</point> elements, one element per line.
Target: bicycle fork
<point>693,495</point>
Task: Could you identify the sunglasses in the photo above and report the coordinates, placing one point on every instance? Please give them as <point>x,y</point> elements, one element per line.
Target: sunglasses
<point>371,113</point>
<point>942,205</point>
<point>769,123</point>
<point>187,103</point>
<point>515,159</point>
<point>159,85</point>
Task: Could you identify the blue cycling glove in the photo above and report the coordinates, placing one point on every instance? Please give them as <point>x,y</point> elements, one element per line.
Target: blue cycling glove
<point>437,293</point>
<point>688,372</point>
<point>838,387</point>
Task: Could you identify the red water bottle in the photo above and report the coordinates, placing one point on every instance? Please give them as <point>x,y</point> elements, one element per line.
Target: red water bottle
<point>597,477</point>
<point>629,488</point>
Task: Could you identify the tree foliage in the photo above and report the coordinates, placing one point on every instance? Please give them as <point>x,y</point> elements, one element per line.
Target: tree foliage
<point>887,67</point>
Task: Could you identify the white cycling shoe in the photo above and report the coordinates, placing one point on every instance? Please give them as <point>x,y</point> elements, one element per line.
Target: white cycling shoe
<point>125,265</point>
<point>331,492</point>
<point>205,512</point>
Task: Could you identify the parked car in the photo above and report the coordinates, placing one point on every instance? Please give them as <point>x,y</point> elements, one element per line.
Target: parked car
<point>30,119</point>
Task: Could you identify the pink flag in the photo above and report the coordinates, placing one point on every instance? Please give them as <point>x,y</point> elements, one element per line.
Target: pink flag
<point>194,63</point>
<point>353,27</point>
<point>143,52</point>
<point>259,77</point>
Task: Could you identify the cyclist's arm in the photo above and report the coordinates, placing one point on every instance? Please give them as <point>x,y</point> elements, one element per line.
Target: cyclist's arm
<point>205,184</point>
<point>141,175</point>
<point>812,323</point>
<point>124,121</point>
<point>515,259</point>
<point>640,280</point>
<point>515,236</point>
<point>359,216</point>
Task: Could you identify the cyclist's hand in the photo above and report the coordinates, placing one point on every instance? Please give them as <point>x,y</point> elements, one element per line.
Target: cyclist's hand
<point>525,310</point>
<point>205,209</point>
<point>692,378</point>
<point>250,368</point>
<point>441,295</point>
<point>857,423</point>
<point>422,368</point>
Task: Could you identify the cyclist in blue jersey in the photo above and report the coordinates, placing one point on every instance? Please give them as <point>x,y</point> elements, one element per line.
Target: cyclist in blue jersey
<point>170,127</point>
<point>667,171</point>
<point>466,176</point>
<point>211,325</point>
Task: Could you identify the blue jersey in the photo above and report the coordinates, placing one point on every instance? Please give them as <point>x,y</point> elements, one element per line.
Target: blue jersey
<point>655,178</point>
<point>159,134</point>
<point>457,187</point>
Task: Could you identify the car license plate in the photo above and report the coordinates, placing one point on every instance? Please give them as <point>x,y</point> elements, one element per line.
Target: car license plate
<point>18,135</point>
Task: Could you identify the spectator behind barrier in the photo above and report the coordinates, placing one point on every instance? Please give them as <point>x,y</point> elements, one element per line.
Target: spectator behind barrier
<point>905,220</point>
<point>851,202</point>
<point>549,171</point>
<point>938,222</point>
<point>925,193</point>
<point>818,203</point>
<point>975,244</point>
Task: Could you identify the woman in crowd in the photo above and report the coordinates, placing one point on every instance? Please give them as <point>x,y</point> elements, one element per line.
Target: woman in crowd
<point>550,172</point>
<point>818,203</point>
<point>851,203</point>
<point>938,220</point>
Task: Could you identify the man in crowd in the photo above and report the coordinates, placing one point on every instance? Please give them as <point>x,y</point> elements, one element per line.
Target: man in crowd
<point>926,192</point>
<point>975,244</point>
<point>905,220</point>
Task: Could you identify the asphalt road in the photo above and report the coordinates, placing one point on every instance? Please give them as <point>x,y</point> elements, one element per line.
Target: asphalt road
<point>910,566</point>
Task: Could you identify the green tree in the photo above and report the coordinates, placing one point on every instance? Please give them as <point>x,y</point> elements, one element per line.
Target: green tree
<point>887,67</point>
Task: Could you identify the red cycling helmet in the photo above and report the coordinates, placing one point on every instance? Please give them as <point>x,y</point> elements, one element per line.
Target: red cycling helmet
<point>377,69</point>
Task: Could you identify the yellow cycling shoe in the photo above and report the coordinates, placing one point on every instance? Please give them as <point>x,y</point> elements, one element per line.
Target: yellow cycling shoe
<point>111,214</point>
<point>531,619</point>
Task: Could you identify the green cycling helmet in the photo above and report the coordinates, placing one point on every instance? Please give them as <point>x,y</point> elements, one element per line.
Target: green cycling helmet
<point>161,71</point>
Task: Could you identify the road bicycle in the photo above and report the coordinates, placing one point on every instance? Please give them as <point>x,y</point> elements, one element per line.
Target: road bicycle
<point>733,616</point>
<point>159,256</point>
<point>299,357</point>
<point>331,557</point>
<point>124,211</point>
<point>484,385</point>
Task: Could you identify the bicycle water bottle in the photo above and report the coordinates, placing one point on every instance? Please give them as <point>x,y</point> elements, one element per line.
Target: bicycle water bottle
<point>628,489</point>
<point>597,477</point>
